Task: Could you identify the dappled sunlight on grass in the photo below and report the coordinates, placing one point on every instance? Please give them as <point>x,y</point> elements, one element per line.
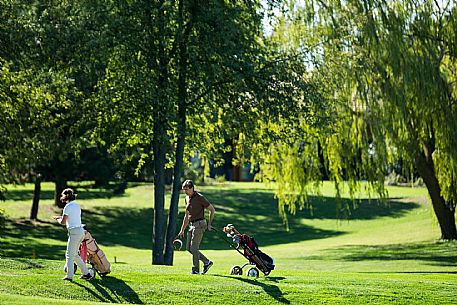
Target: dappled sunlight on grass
<point>438,253</point>
<point>348,252</point>
<point>127,220</point>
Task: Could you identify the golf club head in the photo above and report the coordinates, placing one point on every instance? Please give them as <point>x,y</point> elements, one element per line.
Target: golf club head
<point>177,244</point>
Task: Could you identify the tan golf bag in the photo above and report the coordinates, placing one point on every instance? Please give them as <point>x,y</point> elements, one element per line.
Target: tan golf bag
<point>95,255</point>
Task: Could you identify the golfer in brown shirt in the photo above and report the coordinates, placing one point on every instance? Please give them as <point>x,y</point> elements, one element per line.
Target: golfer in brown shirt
<point>195,215</point>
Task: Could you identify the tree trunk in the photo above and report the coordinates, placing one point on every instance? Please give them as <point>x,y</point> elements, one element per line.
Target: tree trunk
<point>159,199</point>
<point>178,168</point>
<point>173,213</point>
<point>36,198</point>
<point>61,184</point>
<point>159,144</point>
<point>322,166</point>
<point>443,211</point>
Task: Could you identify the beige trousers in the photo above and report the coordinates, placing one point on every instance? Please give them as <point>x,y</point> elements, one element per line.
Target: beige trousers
<point>75,237</point>
<point>194,238</point>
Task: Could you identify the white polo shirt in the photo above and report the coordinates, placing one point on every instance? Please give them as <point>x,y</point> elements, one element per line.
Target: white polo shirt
<point>73,212</point>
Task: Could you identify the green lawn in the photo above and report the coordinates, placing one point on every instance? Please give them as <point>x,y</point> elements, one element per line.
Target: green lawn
<point>381,253</point>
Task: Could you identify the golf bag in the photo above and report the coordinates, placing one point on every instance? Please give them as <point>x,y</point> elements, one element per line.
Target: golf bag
<point>91,252</point>
<point>250,250</point>
<point>254,255</point>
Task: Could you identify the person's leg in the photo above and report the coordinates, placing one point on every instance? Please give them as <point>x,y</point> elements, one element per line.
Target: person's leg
<point>189,247</point>
<point>189,238</point>
<point>81,264</point>
<point>195,241</point>
<point>201,256</point>
<point>72,249</point>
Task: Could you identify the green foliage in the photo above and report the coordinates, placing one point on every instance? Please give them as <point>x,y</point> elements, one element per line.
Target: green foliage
<point>186,72</point>
<point>35,107</point>
<point>54,53</point>
<point>387,72</point>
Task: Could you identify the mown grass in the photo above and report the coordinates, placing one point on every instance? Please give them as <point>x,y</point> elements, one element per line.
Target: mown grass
<point>382,253</point>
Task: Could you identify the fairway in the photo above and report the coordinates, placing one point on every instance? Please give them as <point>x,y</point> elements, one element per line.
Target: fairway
<point>379,253</point>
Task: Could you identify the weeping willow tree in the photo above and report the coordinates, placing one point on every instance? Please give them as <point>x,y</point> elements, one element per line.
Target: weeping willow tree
<point>388,70</point>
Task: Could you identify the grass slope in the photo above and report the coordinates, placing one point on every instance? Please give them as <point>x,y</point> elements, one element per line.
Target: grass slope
<point>380,254</point>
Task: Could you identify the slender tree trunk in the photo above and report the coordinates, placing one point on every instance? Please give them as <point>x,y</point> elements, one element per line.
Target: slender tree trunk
<point>173,213</point>
<point>178,168</point>
<point>322,166</point>
<point>36,198</point>
<point>443,211</point>
<point>159,197</point>
<point>61,184</point>
<point>159,145</point>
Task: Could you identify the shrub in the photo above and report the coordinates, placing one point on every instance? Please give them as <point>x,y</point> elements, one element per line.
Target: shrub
<point>419,182</point>
<point>394,179</point>
<point>2,218</point>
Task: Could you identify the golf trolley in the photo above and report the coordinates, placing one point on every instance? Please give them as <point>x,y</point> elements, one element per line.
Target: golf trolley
<point>90,252</point>
<point>247,246</point>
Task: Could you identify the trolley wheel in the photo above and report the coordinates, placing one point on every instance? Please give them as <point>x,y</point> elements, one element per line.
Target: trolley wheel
<point>92,272</point>
<point>102,275</point>
<point>236,270</point>
<point>253,271</point>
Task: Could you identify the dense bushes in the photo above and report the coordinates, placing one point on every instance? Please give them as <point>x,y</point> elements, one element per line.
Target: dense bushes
<point>2,218</point>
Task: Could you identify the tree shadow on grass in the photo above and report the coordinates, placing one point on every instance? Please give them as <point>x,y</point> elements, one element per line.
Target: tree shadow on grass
<point>271,290</point>
<point>133,228</point>
<point>254,212</point>
<point>245,203</point>
<point>109,226</point>
<point>441,254</point>
<point>20,264</point>
<point>88,193</point>
<point>112,290</point>
<point>23,239</point>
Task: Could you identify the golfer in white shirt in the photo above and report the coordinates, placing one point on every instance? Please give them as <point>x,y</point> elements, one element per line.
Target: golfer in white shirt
<point>71,217</point>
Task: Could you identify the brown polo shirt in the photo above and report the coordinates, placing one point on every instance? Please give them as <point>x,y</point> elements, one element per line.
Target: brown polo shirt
<point>196,205</point>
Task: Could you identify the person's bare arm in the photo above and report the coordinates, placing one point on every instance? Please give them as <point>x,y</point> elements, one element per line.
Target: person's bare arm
<point>211,216</point>
<point>61,219</point>
<point>185,222</point>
